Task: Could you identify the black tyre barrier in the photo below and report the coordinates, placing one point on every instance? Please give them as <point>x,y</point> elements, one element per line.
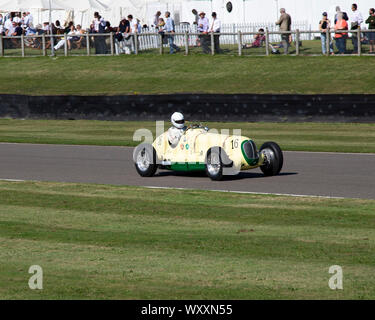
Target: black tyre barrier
<point>200,107</point>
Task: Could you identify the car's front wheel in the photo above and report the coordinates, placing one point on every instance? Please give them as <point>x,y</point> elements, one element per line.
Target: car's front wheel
<point>214,164</point>
<point>145,160</point>
<point>274,159</point>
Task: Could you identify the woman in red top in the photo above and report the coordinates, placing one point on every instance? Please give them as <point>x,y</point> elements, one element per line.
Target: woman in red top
<point>340,37</point>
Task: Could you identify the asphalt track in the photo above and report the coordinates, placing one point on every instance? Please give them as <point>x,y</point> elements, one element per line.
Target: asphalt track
<point>304,173</point>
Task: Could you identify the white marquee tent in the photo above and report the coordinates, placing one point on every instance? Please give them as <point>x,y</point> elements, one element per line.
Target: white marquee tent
<point>265,11</point>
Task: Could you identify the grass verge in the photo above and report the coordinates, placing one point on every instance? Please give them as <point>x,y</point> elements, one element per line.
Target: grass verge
<point>333,137</point>
<point>106,242</point>
<point>154,74</point>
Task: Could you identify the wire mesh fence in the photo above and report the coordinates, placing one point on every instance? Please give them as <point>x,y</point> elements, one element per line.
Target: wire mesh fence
<point>251,43</point>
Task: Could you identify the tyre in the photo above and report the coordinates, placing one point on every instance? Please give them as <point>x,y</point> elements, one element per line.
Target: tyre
<point>273,159</point>
<point>214,164</point>
<point>144,157</point>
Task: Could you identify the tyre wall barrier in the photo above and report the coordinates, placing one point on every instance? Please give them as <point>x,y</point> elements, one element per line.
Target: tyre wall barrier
<point>200,107</point>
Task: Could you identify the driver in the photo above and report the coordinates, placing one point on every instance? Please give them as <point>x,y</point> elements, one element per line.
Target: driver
<point>177,130</point>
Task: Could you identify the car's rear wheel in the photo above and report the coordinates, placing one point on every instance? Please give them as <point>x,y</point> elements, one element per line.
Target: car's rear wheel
<point>145,160</point>
<point>214,164</point>
<point>274,159</point>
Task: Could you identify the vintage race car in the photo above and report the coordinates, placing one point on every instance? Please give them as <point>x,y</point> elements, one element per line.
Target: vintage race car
<point>200,149</point>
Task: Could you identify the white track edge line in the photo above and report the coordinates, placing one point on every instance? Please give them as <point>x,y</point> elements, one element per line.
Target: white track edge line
<point>251,192</point>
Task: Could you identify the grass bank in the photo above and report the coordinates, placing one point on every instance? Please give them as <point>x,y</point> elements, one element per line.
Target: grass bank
<point>154,74</point>
<point>332,137</point>
<point>104,242</point>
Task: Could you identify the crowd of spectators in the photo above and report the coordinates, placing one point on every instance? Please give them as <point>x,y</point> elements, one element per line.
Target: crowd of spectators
<point>16,24</point>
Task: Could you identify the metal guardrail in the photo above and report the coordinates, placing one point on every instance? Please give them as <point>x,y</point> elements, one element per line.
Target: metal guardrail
<point>106,44</point>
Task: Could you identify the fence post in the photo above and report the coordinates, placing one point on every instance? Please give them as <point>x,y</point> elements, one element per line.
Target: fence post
<point>112,45</point>
<point>44,47</point>
<point>1,46</point>
<point>234,33</point>
<point>136,40</point>
<point>267,42</point>
<point>23,45</point>
<point>65,44</point>
<point>212,44</point>
<point>328,42</point>
<point>88,44</point>
<point>359,41</point>
<point>161,43</point>
<point>297,42</point>
<point>186,43</point>
<point>239,36</point>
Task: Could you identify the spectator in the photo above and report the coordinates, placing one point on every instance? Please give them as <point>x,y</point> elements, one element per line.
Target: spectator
<point>1,24</point>
<point>156,18</point>
<point>215,28</point>
<point>68,28</point>
<point>139,26</point>
<point>161,24</point>
<point>133,24</point>
<point>124,27</point>
<point>99,27</point>
<point>371,25</point>
<point>345,15</point>
<point>69,38</point>
<point>28,20</point>
<point>203,27</point>
<point>284,22</point>
<point>341,25</point>
<point>160,27</point>
<point>108,28</point>
<point>8,23</point>
<point>17,18</point>
<point>9,32</point>
<point>196,16</point>
<point>18,31</point>
<point>259,39</point>
<point>324,26</point>
<point>78,39</point>
<point>134,30</point>
<point>169,29</point>
<point>59,28</point>
<point>356,19</point>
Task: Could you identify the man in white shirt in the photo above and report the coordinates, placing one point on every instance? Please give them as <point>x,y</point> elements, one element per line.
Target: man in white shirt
<point>215,28</point>
<point>8,23</point>
<point>28,20</point>
<point>134,30</point>
<point>356,19</point>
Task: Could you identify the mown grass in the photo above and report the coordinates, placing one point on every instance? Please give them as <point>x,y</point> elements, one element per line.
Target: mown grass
<point>155,74</point>
<point>105,242</point>
<point>333,137</point>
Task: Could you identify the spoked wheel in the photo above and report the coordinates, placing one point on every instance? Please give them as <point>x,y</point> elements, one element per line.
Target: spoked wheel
<point>214,164</point>
<point>144,157</point>
<point>273,159</point>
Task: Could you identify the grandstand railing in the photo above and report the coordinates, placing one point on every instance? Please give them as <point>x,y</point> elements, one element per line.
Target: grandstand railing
<point>153,42</point>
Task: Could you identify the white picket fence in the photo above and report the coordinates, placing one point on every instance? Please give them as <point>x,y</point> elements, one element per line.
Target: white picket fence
<point>152,41</point>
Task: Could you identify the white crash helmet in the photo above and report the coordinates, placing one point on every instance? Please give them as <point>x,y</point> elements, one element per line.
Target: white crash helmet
<point>178,120</point>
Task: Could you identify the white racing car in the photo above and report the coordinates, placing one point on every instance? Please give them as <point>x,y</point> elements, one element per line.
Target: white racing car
<point>201,150</point>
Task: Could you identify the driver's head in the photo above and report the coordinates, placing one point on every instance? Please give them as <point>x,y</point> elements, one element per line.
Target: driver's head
<point>178,120</point>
